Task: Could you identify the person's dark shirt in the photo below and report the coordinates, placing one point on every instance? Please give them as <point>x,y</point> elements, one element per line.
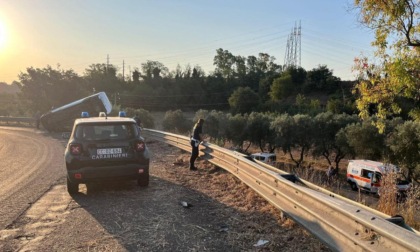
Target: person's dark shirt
<point>197,131</point>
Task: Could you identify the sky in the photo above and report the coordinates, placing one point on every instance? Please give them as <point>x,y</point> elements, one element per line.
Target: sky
<point>73,34</point>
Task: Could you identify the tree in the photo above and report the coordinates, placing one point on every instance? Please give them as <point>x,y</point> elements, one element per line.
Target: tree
<point>175,121</point>
<point>404,143</point>
<point>198,72</point>
<point>215,124</point>
<point>321,79</point>
<point>388,18</point>
<point>265,64</point>
<point>260,132</point>
<point>294,135</point>
<point>365,140</point>
<point>236,130</point>
<point>44,88</point>
<point>224,62</point>
<point>136,76</point>
<point>154,69</point>
<point>327,125</point>
<point>103,77</point>
<point>244,100</point>
<point>397,28</point>
<point>289,83</point>
<point>282,87</point>
<point>145,116</point>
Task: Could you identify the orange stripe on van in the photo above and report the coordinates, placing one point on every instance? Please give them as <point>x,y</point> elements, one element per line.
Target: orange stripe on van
<point>359,178</point>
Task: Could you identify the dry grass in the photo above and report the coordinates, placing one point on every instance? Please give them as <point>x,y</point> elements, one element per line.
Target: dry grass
<point>249,217</point>
<point>410,208</point>
<point>406,206</point>
<point>387,202</point>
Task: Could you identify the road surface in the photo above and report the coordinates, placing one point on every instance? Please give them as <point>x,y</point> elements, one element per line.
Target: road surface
<point>31,162</point>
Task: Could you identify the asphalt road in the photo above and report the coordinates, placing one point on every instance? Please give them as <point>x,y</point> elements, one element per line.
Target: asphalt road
<point>30,163</point>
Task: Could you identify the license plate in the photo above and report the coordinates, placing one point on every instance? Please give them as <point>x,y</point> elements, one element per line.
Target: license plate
<point>109,151</point>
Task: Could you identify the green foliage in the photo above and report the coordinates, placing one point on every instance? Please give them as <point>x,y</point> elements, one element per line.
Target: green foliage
<point>154,69</point>
<point>294,134</point>
<point>42,89</point>
<point>404,143</point>
<point>145,117</point>
<point>102,77</point>
<point>366,141</point>
<point>224,62</point>
<point>236,129</point>
<point>260,132</point>
<point>175,121</point>
<point>10,106</point>
<point>282,87</point>
<point>321,79</point>
<point>214,123</point>
<point>289,83</point>
<point>244,100</point>
<point>381,86</point>
<point>201,114</point>
<point>327,126</point>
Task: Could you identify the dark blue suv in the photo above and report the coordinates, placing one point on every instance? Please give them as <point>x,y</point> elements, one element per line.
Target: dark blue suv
<point>105,148</point>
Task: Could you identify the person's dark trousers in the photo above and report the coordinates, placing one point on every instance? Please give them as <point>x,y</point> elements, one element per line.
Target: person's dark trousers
<point>194,154</point>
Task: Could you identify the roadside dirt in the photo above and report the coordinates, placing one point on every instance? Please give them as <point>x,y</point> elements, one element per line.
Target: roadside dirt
<point>225,215</point>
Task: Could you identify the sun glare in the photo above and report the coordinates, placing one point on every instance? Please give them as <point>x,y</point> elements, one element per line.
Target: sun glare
<point>3,35</point>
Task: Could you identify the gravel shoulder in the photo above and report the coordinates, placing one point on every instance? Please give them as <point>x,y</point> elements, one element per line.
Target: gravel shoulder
<point>225,215</point>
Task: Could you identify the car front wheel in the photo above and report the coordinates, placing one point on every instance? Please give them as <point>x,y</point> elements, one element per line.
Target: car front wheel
<point>72,188</point>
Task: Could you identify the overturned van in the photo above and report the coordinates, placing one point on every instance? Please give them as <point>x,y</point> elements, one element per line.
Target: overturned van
<point>62,118</point>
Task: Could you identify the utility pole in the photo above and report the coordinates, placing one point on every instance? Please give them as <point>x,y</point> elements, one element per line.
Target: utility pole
<point>123,70</point>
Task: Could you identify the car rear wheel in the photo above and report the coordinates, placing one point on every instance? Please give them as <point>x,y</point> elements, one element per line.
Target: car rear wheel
<point>72,188</point>
<point>143,180</point>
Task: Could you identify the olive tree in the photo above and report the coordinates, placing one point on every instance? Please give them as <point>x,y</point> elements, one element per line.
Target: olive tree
<point>294,135</point>
<point>260,132</point>
<point>327,125</point>
<point>404,143</point>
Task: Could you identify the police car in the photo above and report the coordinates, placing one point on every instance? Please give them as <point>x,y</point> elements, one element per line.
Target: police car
<point>105,148</point>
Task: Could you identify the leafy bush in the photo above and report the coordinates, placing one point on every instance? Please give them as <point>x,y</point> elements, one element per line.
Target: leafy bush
<point>144,115</point>
<point>175,121</point>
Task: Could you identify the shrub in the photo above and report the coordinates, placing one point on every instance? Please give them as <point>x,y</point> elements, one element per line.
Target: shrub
<point>144,115</point>
<point>176,122</point>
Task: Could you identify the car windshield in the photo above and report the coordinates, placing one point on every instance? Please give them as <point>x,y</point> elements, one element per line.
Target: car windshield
<point>105,131</point>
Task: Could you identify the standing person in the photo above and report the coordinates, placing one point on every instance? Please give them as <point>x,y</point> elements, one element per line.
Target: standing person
<point>196,138</point>
<point>330,173</point>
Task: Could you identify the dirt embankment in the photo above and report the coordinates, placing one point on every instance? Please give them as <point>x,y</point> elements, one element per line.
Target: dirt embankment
<point>225,215</point>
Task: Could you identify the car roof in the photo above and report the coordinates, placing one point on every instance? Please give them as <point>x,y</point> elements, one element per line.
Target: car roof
<point>104,120</point>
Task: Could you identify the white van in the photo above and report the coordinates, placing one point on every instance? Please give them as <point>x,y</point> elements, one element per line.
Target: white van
<point>366,175</point>
<point>268,158</point>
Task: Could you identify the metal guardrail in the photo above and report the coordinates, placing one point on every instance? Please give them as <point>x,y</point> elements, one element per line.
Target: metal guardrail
<point>17,120</point>
<point>340,223</point>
